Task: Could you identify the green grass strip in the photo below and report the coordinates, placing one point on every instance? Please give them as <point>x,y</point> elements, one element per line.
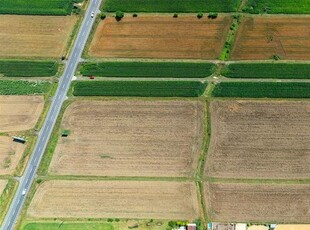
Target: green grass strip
<point>262,89</point>
<point>20,68</point>
<point>148,69</point>
<point>171,6</point>
<point>139,88</point>
<point>8,87</point>
<point>268,70</point>
<point>37,7</point>
<point>278,6</point>
<point>68,226</point>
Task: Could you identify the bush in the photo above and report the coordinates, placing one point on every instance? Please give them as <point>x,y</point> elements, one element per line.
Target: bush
<point>103,16</point>
<point>276,57</point>
<point>175,15</point>
<point>199,15</point>
<point>119,15</point>
<point>134,15</point>
<point>212,15</point>
<point>110,220</point>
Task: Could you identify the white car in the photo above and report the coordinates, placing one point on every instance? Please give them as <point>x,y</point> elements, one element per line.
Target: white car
<point>92,14</point>
<point>24,192</point>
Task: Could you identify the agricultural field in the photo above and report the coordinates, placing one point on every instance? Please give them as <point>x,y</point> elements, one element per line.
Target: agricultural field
<point>293,227</point>
<point>147,36</point>
<point>238,202</point>
<point>148,69</point>
<point>275,37</point>
<point>278,6</point>
<point>139,88</point>
<point>268,70</point>
<point>2,185</point>
<point>10,154</point>
<point>157,138</point>
<point>38,36</point>
<point>115,199</point>
<point>18,113</point>
<point>26,68</point>
<point>42,7</point>
<point>171,6</point>
<point>9,87</point>
<point>256,139</point>
<point>262,89</point>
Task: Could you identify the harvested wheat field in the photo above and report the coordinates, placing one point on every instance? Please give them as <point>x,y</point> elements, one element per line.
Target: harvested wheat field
<point>160,37</point>
<point>264,37</point>
<point>293,227</point>
<point>10,154</point>
<point>3,184</point>
<point>130,138</point>
<point>34,36</point>
<point>115,199</point>
<point>234,202</point>
<point>259,139</point>
<point>19,113</point>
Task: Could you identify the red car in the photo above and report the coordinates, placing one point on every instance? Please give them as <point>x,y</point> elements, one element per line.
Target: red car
<point>91,77</point>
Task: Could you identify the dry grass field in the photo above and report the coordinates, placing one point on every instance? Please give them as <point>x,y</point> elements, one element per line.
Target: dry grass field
<point>161,138</point>
<point>160,37</point>
<point>2,185</point>
<point>293,227</point>
<point>10,154</point>
<point>263,37</point>
<point>115,199</point>
<point>232,202</point>
<point>19,113</point>
<point>34,36</point>
<point>259,139</point>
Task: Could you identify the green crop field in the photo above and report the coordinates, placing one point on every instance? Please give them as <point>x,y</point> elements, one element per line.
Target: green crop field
<point>262,89</point>
<point>19,68</point>
<point>37,7</point>
<point>148,69</point>
<point>171,6</point>
<point>278,6</point>
<point>139,88</point>
<point>8,87</point>
<point>68,226</point>
<point>267,70</point>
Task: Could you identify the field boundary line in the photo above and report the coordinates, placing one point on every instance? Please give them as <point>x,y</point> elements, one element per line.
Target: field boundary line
<point>257,181</point>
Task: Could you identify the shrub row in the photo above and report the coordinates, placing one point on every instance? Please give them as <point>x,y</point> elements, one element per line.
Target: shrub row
<point>148,69</point>
<point>139,88</point>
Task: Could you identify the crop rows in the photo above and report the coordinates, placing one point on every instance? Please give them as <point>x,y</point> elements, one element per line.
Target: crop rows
<point>262,89</point>
<point>35,7</point>
<point>148,69</point>
<point>139,88</point>
<point>171,6</point>
<point>8,87</point>
<point>268,70</point>
<point>18,68</point>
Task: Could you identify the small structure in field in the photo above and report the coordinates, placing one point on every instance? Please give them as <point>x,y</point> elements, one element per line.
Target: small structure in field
<point>191,226</point>
<point>19,139</point>
<point>241,226</point>
<point>65,133</point>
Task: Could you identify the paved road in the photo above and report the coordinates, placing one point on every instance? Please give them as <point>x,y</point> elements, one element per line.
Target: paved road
<point>44,135</point>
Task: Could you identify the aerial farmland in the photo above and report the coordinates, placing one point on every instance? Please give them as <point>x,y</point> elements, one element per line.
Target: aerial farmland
<point>154,115</point>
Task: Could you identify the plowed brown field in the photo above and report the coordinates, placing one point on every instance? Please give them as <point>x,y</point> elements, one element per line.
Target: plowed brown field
<point>2,185</point>
<point>130,138</point>
<point>259,139</point>
<point>19,113</point>
<point>10,154</point>
<point>263,37</point>
<point>231,202</point>
<point>34,36</point>
<point>160,37</point>
<point>115,199</point>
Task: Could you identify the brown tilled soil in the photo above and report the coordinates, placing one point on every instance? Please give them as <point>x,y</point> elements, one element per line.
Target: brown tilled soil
<point>10,154</point>
<point>259,139</point>
<point>34,36</point>
<point>2,185</point>
<point>115,199</point>
<point>263,37</point>
<point>19,113</point>
<point>232,202</point>
<point>130,138</point>
<point>160,37</point>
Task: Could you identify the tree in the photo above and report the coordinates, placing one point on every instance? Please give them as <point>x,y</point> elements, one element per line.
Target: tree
<point>175,15</point>
<point>199,15</point>
<point>103,16</point>
<point>119,15</point>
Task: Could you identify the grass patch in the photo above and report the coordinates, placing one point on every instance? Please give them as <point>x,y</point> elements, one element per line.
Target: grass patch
<point>37,7</point>
<point>267,70</point>
<point>8,87</point>
<point>171,6</point>
<point>139,88</point>
<point>68,226</point>
<point>6,197</point>
<point>148,69</point>
<point>24,68</point>
<point>262,89</point>
<point>278,6</point>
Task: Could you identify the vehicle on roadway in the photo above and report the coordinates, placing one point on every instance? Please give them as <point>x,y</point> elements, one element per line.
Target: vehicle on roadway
<point>92,14</point>
<point>24,192</point>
